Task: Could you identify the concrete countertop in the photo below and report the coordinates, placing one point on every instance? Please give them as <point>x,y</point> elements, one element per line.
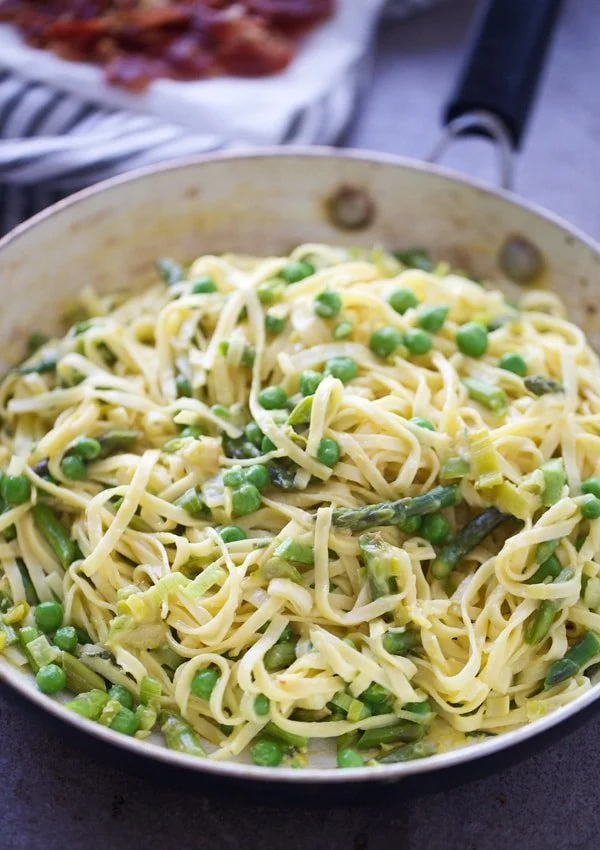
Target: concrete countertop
<point>54,797</point>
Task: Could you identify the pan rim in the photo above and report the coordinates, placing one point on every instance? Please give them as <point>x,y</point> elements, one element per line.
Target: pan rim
<point>296,152</point>
<point>13,679</point>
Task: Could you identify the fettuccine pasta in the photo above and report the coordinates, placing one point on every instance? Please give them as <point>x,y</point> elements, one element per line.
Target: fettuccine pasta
<point>341,495</point>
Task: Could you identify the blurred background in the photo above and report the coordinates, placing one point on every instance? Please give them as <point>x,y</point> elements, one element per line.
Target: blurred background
<point>375,75</point>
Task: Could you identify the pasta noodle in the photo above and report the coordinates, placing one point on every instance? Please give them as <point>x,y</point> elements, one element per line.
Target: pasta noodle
<point>198,475</point>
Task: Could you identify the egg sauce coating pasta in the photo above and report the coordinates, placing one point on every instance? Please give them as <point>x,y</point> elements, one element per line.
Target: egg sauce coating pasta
<point>322,496</point>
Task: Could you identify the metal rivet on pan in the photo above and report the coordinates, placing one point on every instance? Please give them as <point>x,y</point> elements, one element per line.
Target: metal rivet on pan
<point>520,260</point>
<point>350,208</point>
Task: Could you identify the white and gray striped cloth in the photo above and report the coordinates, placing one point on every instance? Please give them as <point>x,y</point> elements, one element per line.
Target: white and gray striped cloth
<point>53,142</point>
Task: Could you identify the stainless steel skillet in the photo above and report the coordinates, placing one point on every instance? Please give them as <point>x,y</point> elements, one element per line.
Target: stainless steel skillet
<point>266,202</point>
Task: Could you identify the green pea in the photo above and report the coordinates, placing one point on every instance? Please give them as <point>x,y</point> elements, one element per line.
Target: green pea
<point>183,386</point>
<point>423,423</point>
<point>384,341</point>
<point>410,525</point>
<point>121,694</point>
<point>73,467</point>
<point>87,448</point>
<point>192,431</point>
<point>293,272</point>
<point>15,489</point>
<point>203,285</point>
<point>435,528</point>
<point>221,411</point>
<point>472,339</point>
<point>126,722</point>
<point>232,533</point>
<point>327,304</point>
<point>274,324</point>
<point>590,507</point>
<point>286,635</point>
<point>49,616</point>
<point>342,330</point>
<point>266,753</point>
<point>309,381</point>
<point>270,291</point>
<point>261,705</point>
<point>329,451</point>
<point>591,485</point>
<point>248,356</point>
<point>66,639</point>
<point>513,362</point>
<point>349,758</point>
<point>245,500</point>
<point>402,300</point>
<point>272,398</point>
<point>233,477</point>
<point>417,341</point>
<point>267,445</point>
<point>432,318</point>
<point>50,679</point>
<point>257,475</point>
<point>253,433</point>
<point>203,683</point>
<point>343,368</point>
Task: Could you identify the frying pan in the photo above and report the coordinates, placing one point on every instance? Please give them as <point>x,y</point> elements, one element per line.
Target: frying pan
<point>265,202</point>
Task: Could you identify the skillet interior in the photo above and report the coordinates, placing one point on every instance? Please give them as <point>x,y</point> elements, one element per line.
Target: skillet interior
<point>266,202</point>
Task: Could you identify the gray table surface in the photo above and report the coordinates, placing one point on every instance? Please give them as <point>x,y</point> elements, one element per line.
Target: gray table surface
<point>53,797</point>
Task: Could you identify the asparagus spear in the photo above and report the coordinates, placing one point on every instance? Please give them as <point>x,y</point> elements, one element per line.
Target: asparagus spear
<point>117,441</point>
<point>392,513</point>
<point>467,539</point>
<point>417,750</point>
<point>416,258</point>
<point>46,365</point>
<point>285,737</point>
<point>282,476</point>
<point>280,656</point>
<point>545,550</point>
<point>404,730</point>
<point>80,678</point>
<point>55,534</point>
<point>377,562</point>
<point>549,569</point>
<point>539,385</point>
<point>239,448</point>
<point>179,735</point>
<point>580,654</point>
<point>400,643</point>
<point>539,627</point>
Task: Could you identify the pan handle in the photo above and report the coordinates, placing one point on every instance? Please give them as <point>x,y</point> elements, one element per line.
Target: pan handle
<point>496,87</point>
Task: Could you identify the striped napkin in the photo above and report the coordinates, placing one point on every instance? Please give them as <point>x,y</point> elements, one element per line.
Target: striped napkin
<point>54,141</point>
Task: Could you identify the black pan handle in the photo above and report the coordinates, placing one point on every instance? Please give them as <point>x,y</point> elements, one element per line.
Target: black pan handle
<point>505,57</point>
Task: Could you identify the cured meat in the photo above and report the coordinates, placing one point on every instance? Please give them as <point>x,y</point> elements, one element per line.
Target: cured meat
<point>137,41</point>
